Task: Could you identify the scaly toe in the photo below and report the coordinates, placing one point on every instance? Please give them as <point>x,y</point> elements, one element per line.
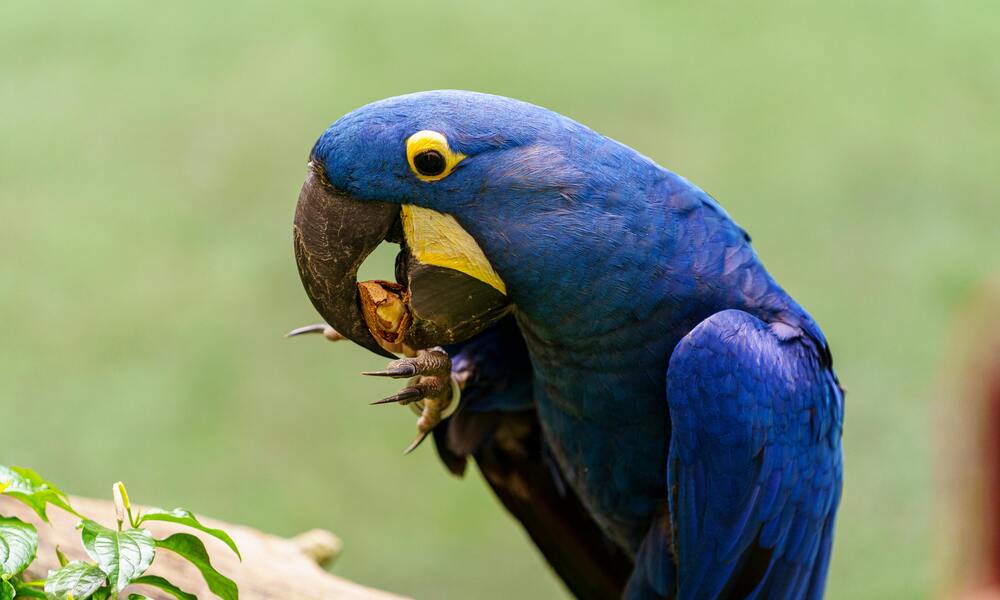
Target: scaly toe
<point>426,362</point>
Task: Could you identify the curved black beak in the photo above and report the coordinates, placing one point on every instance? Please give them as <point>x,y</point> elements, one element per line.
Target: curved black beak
<point>334,233</point>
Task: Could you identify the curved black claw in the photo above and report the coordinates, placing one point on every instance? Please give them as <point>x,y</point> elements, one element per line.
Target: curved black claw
<point>403,396</point>
<point>434,362</point>
<point>328,332</point>
<point>396,371</point>
<point>430,387</point>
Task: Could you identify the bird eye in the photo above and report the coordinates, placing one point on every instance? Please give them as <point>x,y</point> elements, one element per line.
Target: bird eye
<point>429,162</point>
<point>429,155</point>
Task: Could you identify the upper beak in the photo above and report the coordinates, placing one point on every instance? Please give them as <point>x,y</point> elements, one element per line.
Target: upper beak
<point>334,233</point>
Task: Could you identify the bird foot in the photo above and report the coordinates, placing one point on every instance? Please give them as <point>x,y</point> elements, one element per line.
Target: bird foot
<point>430,393</point>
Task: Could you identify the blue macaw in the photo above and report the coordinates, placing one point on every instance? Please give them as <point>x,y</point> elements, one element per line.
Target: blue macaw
<point>595,332</point>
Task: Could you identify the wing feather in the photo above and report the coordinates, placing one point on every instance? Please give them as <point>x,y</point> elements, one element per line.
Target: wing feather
<point>754,461</point>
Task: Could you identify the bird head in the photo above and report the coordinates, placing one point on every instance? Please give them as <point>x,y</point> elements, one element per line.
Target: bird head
<point>469,185</point>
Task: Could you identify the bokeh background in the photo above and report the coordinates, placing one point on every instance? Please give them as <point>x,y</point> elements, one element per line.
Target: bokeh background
<point>151,155</point>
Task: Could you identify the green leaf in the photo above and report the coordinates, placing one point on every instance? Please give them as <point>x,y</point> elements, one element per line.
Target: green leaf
<point>193,550</point>
<point>29,589</point>
<point>102,594</point>
<point>186,517</point>
<point>26,591</point>
<point>28,487</point>
<point>166,586</point>
<point>77,580</point>
<point>138,597</point>
<point>7,591</point>
<point>122,555</point>
<point>18,544</point>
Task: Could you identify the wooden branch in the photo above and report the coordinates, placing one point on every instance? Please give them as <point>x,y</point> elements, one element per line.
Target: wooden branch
<point>272,567</point>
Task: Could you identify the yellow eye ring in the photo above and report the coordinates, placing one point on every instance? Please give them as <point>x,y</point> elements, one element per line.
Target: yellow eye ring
<point>429,156</point>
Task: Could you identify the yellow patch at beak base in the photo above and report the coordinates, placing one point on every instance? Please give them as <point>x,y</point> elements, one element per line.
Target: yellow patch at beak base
<point>437,239</point>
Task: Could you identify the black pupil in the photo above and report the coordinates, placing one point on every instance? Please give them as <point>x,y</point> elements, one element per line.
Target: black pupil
<point>429,162</point>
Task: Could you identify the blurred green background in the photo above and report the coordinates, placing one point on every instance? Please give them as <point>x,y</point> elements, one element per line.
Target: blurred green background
<point>151,155</point>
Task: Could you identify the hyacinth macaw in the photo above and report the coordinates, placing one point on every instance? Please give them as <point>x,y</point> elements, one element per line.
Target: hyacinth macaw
<point>595,332</point>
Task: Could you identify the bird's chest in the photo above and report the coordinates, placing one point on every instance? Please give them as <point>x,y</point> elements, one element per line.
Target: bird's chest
<point>600,390</point>
<point>617,466</point>
<point>606,419</point>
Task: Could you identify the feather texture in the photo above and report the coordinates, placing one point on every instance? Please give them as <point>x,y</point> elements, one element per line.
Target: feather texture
<point>754,463</point>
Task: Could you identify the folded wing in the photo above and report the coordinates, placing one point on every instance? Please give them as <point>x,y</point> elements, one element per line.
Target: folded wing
<point>754,462</point>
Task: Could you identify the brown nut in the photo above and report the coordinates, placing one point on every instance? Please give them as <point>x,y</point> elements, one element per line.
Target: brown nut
<point>384,307</point>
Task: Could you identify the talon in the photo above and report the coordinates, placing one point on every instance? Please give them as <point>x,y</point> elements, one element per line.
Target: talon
<point>328,332</point>
<point>413,445</point>
<point>405,369</point>
<point>403,396</point>
<point>425,387</point>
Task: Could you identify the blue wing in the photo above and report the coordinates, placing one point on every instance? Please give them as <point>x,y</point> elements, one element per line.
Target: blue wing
<point>754,463</point>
